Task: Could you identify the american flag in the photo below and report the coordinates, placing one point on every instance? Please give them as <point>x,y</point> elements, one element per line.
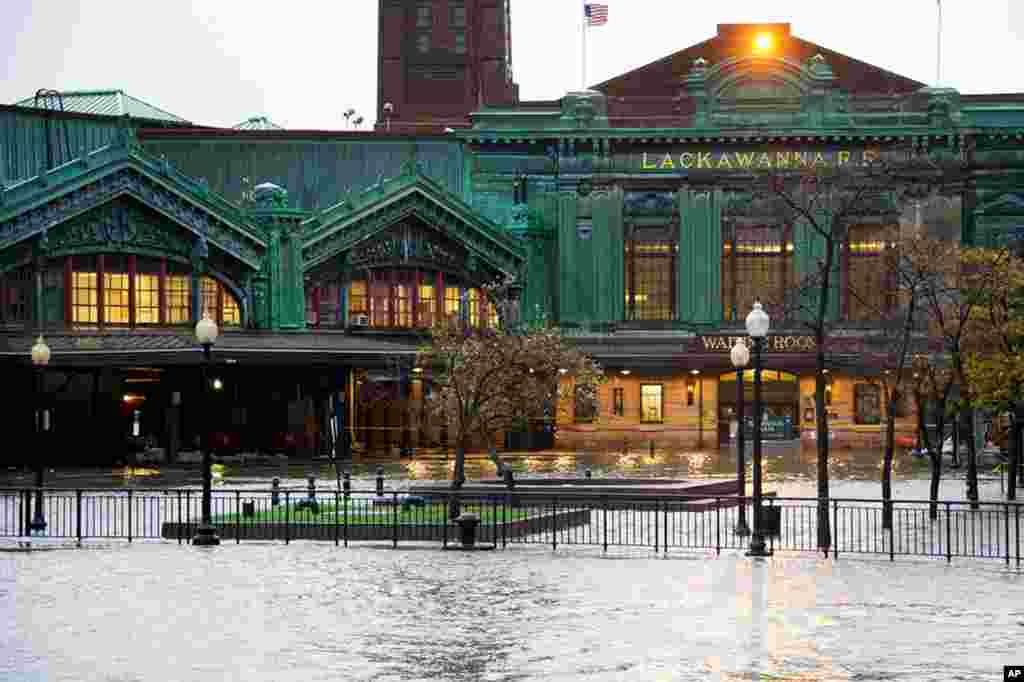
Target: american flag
<point>596,15</point>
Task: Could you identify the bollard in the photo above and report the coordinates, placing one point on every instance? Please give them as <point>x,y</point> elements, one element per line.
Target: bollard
<point>311,482</point>
<point>588,473</point>
<point>509,479</point>
<point>275,492</point>
<point>380,481</point>
<point>346,483</point>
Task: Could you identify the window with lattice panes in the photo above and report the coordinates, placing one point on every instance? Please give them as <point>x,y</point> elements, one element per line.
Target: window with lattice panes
<point>15,294</point>
<point>230,314</point>
<point>870,286</point>
<point>208,291</point>
<point>427,304</point>
<point>380,300</point>
<point>650,280</point>
<point>116,288</point>
<point>329,304</point>
<point>179,298</point>
<point>756,266</point>
<point>84,297</point>
<point>358,297</point>
<point>473,300</point>
<point>652,403</point>
<point>452,302</point>
<point>147,298</point>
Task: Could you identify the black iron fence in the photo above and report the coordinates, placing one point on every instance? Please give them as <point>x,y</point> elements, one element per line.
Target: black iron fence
<point>989,530</point>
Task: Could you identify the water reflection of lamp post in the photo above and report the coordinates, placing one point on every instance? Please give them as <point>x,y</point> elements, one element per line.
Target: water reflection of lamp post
<point>757,326</point>
<point>206,335</point>
<point>740,356</point>
<point>40,358</point>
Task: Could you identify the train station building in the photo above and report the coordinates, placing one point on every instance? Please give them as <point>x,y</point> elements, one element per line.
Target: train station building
<point>624,210</point>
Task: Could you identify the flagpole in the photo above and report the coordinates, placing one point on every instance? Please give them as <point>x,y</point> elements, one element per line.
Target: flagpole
<point>938,49</point>
<point>583,61</point>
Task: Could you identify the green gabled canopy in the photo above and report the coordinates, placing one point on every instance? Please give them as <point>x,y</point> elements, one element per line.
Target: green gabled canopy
<point>34,206</point>
<point>361,216</point>
<point>108,103</point>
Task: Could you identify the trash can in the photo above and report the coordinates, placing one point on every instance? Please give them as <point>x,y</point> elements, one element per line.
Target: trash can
<point>771,521</point>
<point>467,528</point>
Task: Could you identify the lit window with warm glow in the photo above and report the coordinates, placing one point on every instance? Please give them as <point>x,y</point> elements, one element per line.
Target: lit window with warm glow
<point>115,297</point>
<point>179,294</point>
<point>147,299</point>
<point>84,302</point>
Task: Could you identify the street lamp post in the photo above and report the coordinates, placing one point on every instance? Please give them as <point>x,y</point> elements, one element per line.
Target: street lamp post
<point>757,326</point>
<point>40,358</point>
<point>206,335</point>
<point>740,356</point>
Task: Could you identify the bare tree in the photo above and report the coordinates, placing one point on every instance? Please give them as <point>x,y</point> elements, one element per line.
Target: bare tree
<point>823,202</point>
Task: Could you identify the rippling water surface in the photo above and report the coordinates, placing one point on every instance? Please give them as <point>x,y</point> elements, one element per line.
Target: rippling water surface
<point>309,611</point>
<point>313,612</point>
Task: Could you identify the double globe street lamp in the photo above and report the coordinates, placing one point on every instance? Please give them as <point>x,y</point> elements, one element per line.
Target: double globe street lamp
<point>206,335</point>
<point>740,356</point>
<point>757,327</point>
<point>40,358</point>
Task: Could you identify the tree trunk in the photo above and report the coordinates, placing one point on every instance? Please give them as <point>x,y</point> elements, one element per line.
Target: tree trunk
<point>824,528</point>
<point>972,459</point>
<point>458,478</point>
<point>933,489</point>
<point>922,424</point>
<point>1014,446</point>
<point>890,447</point>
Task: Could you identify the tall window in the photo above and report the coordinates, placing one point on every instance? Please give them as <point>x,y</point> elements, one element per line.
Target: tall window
<point>460,42</point>
<point>867,404</point>
<point>84,291</point>
<point>358,298</point>
<point>756,266</point>
<point>651,403</point>
<point>870,285</point>
<point>208,291</point>
<point>427,304</point>
<point>452,301</point>
<point>403,298</point>
<point>14,295</point>
<point>179,299</point>
<point>380,300</point>
<point>147,298</point>
<point>618,401</point>
<point>116,291</point>
<point>650,267</point>
<point>423,42</point>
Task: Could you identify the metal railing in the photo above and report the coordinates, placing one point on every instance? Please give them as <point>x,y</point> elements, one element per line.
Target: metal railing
<point>663,523</point>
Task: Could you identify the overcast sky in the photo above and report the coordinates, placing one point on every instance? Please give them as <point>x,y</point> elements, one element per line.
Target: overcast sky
<point>303,62</point>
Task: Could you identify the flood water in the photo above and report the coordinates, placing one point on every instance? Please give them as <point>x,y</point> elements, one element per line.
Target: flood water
<point>311,611</point>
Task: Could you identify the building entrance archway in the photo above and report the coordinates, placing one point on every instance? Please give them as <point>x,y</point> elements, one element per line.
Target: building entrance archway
<point>780,397</point>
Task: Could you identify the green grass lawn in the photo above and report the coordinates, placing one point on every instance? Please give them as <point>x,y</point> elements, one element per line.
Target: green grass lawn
<point>361,513</point>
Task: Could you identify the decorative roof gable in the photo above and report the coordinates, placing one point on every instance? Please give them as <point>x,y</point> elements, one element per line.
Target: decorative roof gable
<point>358,218</point>
<point>32,207</point>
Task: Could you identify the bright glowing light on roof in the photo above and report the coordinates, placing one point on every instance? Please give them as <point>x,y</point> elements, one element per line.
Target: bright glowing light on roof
<point>763,41</point>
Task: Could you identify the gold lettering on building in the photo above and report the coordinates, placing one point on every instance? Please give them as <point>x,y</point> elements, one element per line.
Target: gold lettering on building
<point>758,159</point>
<point>773,344</point>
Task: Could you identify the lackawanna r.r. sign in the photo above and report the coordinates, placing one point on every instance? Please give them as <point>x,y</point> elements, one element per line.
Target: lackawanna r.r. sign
<point>772,344</point>
<point>752,159</point>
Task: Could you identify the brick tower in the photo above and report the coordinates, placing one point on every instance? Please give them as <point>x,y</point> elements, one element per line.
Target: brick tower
<point>438,60</point>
